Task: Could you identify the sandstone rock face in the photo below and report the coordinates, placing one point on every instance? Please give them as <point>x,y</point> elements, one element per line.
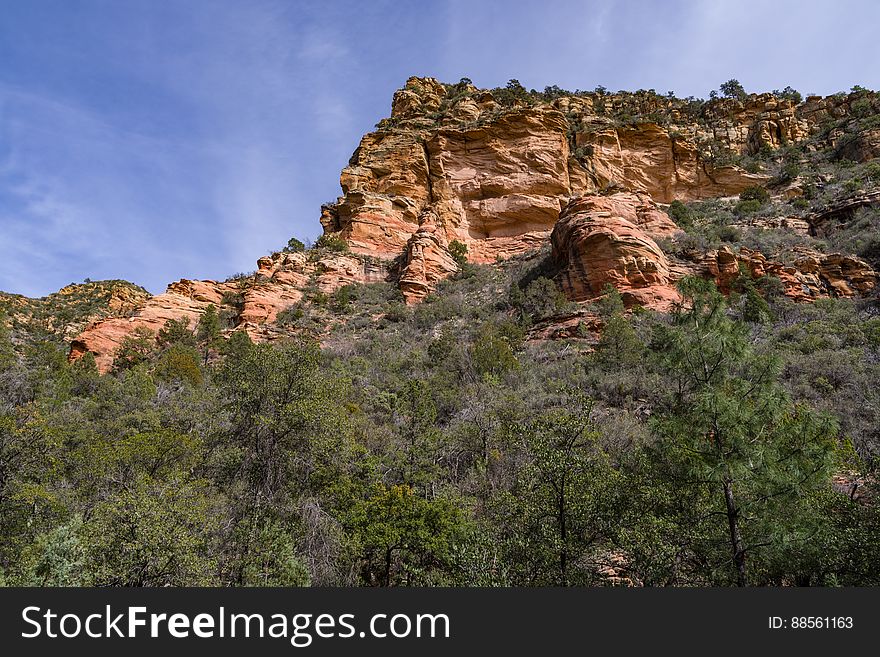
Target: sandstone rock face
<point>760,121</point>
<point>812,276</point>
<point>496,176</point>
<point>183,299</point>
<point>503,179</point>
<point>428,261</point>
<point>504,175</point>
<point>496,182</point>
<point>793,224</point>
<point>864,147</point>
<point>251,304</point>
<point>606,240</point>
<point>645,157</point>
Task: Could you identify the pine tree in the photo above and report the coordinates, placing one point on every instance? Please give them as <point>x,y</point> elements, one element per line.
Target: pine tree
<point>208,330</point>
<point>730,432</point>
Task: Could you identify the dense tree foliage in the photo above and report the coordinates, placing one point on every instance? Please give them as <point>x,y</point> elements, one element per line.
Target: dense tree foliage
<point>733,441</point>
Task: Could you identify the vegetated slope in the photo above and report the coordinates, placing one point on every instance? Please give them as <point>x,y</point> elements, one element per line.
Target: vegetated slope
<point>64,314</point>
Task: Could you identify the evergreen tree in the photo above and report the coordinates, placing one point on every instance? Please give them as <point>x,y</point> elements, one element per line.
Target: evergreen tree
<point>730,432</point>
<point>562,507</point>
<point>208,330</point>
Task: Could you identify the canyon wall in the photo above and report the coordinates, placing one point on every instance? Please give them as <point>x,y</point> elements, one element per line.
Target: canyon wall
<point>500,177</point>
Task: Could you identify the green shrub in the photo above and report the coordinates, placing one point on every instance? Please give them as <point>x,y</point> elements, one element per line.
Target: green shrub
<point>542,298</point>
<point>852,185</point>
<point>179,363</point>
<point>747,207</point>
<point>862,108</point>
<point>234,299</point>
<point>789,171</point>
<point>397,312</point>
<point>584,152</point>
<point>294,246</point>
<point>492,354</point>
<point>680,214</point>
<point>730,234</point>
<point>176,331</point>
<point>343,297</point>
<point>755,193</point>
<point>459,251</point>
<point>332,243</point>
<point>290,315</point>
<point>135,349</point>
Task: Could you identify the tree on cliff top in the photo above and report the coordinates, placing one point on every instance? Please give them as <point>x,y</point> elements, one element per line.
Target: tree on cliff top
<point>733,89</point>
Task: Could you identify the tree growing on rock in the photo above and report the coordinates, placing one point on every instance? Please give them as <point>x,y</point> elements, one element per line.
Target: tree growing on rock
<point>733,89</point>
<point>294,246</point>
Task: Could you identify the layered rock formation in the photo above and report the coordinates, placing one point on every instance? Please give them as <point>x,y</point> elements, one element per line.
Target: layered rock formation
<point>494,175</point>
<point>427,262</point>
<point>502,173</point>
<point>496,188</point>
<point>601,241</point>
<point>649,158</point>
<point>250,304</point>
<point>825,222</point>
<point>812,276</point>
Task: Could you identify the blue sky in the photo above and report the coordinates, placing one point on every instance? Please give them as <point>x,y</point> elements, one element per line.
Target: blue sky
<point>156,140</point>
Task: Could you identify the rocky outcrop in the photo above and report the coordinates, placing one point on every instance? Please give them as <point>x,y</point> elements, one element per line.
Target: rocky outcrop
<point>495,175</point>
<point>183,299</point>
<point>500,184</point>
<point>824,223</point>
<point>755,123</point>
<point>861,147</point>
<point>602,240</point>
<point>505,172</point>
<point>502,179</point>
<point>427,262</point>
<point>250,304</point>
<point>579,325</point>
<point>63,314</point>
<point>608,240</point>
<point>792,224</point>
<point>811,276</point>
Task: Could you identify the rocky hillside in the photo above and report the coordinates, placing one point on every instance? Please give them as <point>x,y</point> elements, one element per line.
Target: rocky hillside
<point>63,315</point>
<point>635,190</point>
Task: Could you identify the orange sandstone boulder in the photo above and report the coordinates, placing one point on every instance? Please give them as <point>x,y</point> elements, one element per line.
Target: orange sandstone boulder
<point>599,241</point>
<point>428,261</point>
